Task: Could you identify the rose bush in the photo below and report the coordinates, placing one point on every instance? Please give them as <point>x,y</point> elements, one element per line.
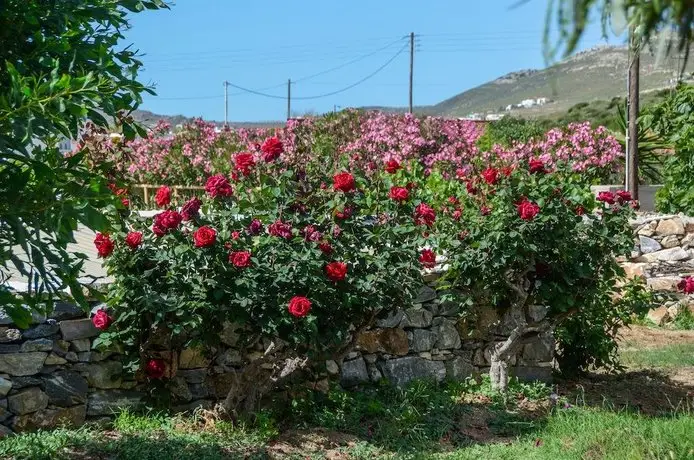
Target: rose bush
<point>283,257</point>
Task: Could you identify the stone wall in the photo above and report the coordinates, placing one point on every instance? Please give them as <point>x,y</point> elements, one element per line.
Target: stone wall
<point>50,375</point>
<point>663,255</point>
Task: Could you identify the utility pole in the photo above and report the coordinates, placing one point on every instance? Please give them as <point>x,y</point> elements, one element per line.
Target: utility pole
<point>289,98</point>
<point>632,179</point>
<point>411,66</point>
<point>226,103</point>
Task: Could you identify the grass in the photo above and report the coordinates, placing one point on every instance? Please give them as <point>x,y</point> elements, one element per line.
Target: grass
<point>666,357</point>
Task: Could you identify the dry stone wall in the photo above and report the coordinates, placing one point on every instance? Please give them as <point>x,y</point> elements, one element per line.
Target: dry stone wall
<point>50,374</point>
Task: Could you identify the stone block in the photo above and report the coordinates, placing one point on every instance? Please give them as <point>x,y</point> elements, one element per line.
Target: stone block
<point>27,401</point>
<point>670,241</point>
<point>65,310</point>
<point>70,417</point>
<point>426,294</point>
<point>446,333</point>
<point>105,375</point>
<point>37,345</point>
<point>422,340</point>
<point>353,373</point>
<point>417,317</point>
<point>401,371</point>
<point>81,345</point>
<point>229,336</point>
<point>459,368</point>
<point>20,364</point>
<point>192,358</point>
<point>110,402</point>
<point>9,334</point>
<point>332,367</point>
<point>663,283</point>
<point>392,319</point>
<point>66,388</point>
<point>658,315</point>
<point>42,330</point>
<point>635,269</point>
<point>54,360</point>
<point>78,329</point>
<point>648,245</point>
<point>392,341</point>
<point>670,227</point>
<point>666,255</point>
<point>5,386</point>
<point>540,350</point>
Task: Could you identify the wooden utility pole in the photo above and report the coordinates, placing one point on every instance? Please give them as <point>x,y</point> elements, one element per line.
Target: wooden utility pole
<point>289,99</point>
<point>226,104</point>
<point>632,179</point>
<point>411,66</point>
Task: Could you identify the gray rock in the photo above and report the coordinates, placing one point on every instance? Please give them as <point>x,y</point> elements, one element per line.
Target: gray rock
<point>106,374</point>
<point>193,375</point>
<point>540,350</point>
<point>417,317</point>
<point>670,241</point>
<point>179,389</point>
<point>81,345</point>
<point>110,402</point>
<point>65,310</point>
<point>23,382</point>
<point>5,386</point>
<point>42,330</point>
<point>538,312</point>
<point>666,255</point>
<point>449,308</point>
<point>354,372</point>
<point>229,336</point>
<point>400,371</point>
<point>422,340</point>
<point>5,432</point>
<point>5,413</point>
<point>229,357</point>
<point>459,368</point>
<point>71,356</point>
<point>332,367</point>
<point>66,388</point>
<point>27,401</point>
<point>36,317</point>
<point>426,294</point>
<point>374,374</point>
<point>10,348</point>
<point>648,245</point>
<point>447,334</point>
<point>670,227</point>
<point>22,363</point>
<point>688,241</point>
<point>533,374</point>
<point>392,320</point>
<point>78,329</point>
<point>8,334</point>
<point>37,345</point>
<point>200,390</point>
<point>50,418</point>
<point>54,360</point>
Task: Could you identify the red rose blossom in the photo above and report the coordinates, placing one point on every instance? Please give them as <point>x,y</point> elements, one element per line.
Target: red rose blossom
<point>400,194</point>
<point>607,197</point>
<point>452,200</point>
<point>166,221</point>
<point>485,210</point>
<point>343,182</point>
<point>240,259</point>
<point>272,149</point>
<point>104,244</point>
<point>490,175</point>
<point>580,210</point>
<point>133,239</point>
<point>101,320</point>
<point>424,215</point>
<point>427,258</point>
<point>218,186</point>
<point>336,271</point>
<point>204,237</point>
<point>235,235</point>
<point>325,247</point>
<point>299,306</point>
<point>686,285</point>
<point>280,229</point>
<point>163,196</point>
<point>190,209</point>
<point>392,166</point>
<point>536,166</point>
<point>527,210</point>
<point>507,171</point>
<point>457,214</point>
<point>255,227</point>
<point>244,162</point>
<point>125,202</point>
<point>470,187</point>
<point>155,368</point>
<point>345,213</point>
<point>311,233</point>
<point>623,196</point>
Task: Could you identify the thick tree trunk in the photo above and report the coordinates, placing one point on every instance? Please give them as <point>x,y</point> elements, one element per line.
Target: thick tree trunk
<point>503,352</point>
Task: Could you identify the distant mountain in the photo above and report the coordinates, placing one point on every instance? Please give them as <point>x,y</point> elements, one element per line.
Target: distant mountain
<point>148,118</point>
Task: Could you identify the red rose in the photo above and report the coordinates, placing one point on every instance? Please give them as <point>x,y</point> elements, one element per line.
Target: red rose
<point>460,173</point>
<point>104,245</point>
<point>163,196</point>
<point>204,237</point>
<point>101,320</point>
<point>507,170</point>
<point>244,162</point>
<point>166,221</point>
<point>452,200</point>
<point>190,209</point>
<point>344,182</point>
<point>485,210</point>
<point>336,271</point>
<point>345,213</point>
<point>424,215</point>
<point>272,149</point>
<point>635,205</point>
<point>325,247</point>
<point>490,175</point>
<point>623,196</point>
<point>240,259</point>
<point>311,234</point>
<point>218,186</point>
<point>392,166</point>
<point>337,231</point>
<point>235,235</point>
<point>399,194</point>
<point>155,368</point>
<point>686,285</point>
<point>125,202</point>
<point>255,227</point>
<point>580,210</point>
<point>607,197</point>
<point>133,239</point>
<point>470,187</point>
<point>457,214</point>
<point>536,166</point>
<point>299,306</point>
<point>527,210</point>
<point>427,258</point>
<point>280,229</point>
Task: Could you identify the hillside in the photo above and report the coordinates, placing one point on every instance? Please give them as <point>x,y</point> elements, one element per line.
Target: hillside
<point>148,118</point>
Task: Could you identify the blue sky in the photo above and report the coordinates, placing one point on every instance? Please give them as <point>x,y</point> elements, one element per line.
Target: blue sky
<point>191,49</point>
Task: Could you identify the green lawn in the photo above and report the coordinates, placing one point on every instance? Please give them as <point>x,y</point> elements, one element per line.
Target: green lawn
<point>454,421</point>
<point>666,357</point>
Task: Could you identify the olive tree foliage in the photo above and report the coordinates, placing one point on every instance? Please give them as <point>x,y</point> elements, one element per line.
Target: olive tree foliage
<point>61,66</point>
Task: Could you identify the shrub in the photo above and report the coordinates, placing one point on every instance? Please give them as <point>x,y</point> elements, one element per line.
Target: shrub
<point>529,239</point>
<point>291,256</point>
